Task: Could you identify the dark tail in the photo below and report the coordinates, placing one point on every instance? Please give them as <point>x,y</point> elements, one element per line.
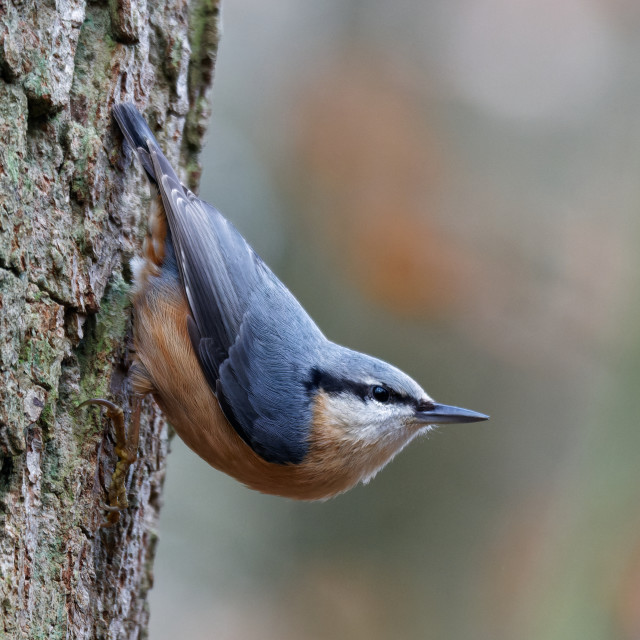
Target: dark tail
<point>138,135</point>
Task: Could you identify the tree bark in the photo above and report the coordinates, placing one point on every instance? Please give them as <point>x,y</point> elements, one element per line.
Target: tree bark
<point>72,214</point>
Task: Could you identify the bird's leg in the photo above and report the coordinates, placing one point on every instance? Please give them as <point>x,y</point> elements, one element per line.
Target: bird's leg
<point>127,451</point>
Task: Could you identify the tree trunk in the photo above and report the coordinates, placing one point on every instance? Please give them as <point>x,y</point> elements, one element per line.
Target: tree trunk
<point>72,214</point>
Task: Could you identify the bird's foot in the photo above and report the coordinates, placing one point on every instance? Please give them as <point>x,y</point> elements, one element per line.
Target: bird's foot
<point>126,449</point>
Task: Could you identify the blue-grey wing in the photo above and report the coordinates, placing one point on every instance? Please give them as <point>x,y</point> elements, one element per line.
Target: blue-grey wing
<point>261,384</point>
<point>250,334</point>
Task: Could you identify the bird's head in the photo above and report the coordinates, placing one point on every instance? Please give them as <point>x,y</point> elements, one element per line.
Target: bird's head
<point>375,406</point>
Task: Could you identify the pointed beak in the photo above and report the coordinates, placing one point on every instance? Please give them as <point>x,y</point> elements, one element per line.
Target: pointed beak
<point>434,413</point>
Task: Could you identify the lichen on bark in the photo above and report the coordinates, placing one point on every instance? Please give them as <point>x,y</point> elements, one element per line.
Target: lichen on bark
<point>72,214</point>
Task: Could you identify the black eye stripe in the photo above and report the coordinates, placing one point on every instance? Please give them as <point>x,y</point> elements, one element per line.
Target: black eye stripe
<point>319,379</point>
<point>331,384</point>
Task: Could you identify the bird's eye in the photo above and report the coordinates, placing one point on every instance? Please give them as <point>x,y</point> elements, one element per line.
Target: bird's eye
<point>380,394</point>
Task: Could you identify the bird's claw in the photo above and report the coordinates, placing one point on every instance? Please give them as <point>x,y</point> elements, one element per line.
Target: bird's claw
<point>111,509</point>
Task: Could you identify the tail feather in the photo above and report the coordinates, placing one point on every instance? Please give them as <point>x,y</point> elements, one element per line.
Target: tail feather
<point>138,135</point>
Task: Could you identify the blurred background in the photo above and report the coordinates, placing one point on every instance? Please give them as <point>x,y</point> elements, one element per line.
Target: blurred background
<point>453,187</point>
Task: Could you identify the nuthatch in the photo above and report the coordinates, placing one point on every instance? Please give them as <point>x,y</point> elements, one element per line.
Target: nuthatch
<point>238,367</point>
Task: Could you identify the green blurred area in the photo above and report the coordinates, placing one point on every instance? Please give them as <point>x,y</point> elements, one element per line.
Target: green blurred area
<point>452,187</point>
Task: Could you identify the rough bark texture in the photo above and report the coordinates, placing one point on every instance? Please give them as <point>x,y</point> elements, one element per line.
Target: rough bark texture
<point>71,217</point>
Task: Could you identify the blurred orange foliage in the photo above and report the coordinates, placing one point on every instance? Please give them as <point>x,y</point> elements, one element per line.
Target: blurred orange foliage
<point>376,168</point>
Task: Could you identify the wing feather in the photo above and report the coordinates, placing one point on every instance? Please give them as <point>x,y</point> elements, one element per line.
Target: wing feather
<point>249,355</point>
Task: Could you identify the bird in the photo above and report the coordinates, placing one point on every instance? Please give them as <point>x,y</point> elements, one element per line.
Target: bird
<point>240,370</point>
